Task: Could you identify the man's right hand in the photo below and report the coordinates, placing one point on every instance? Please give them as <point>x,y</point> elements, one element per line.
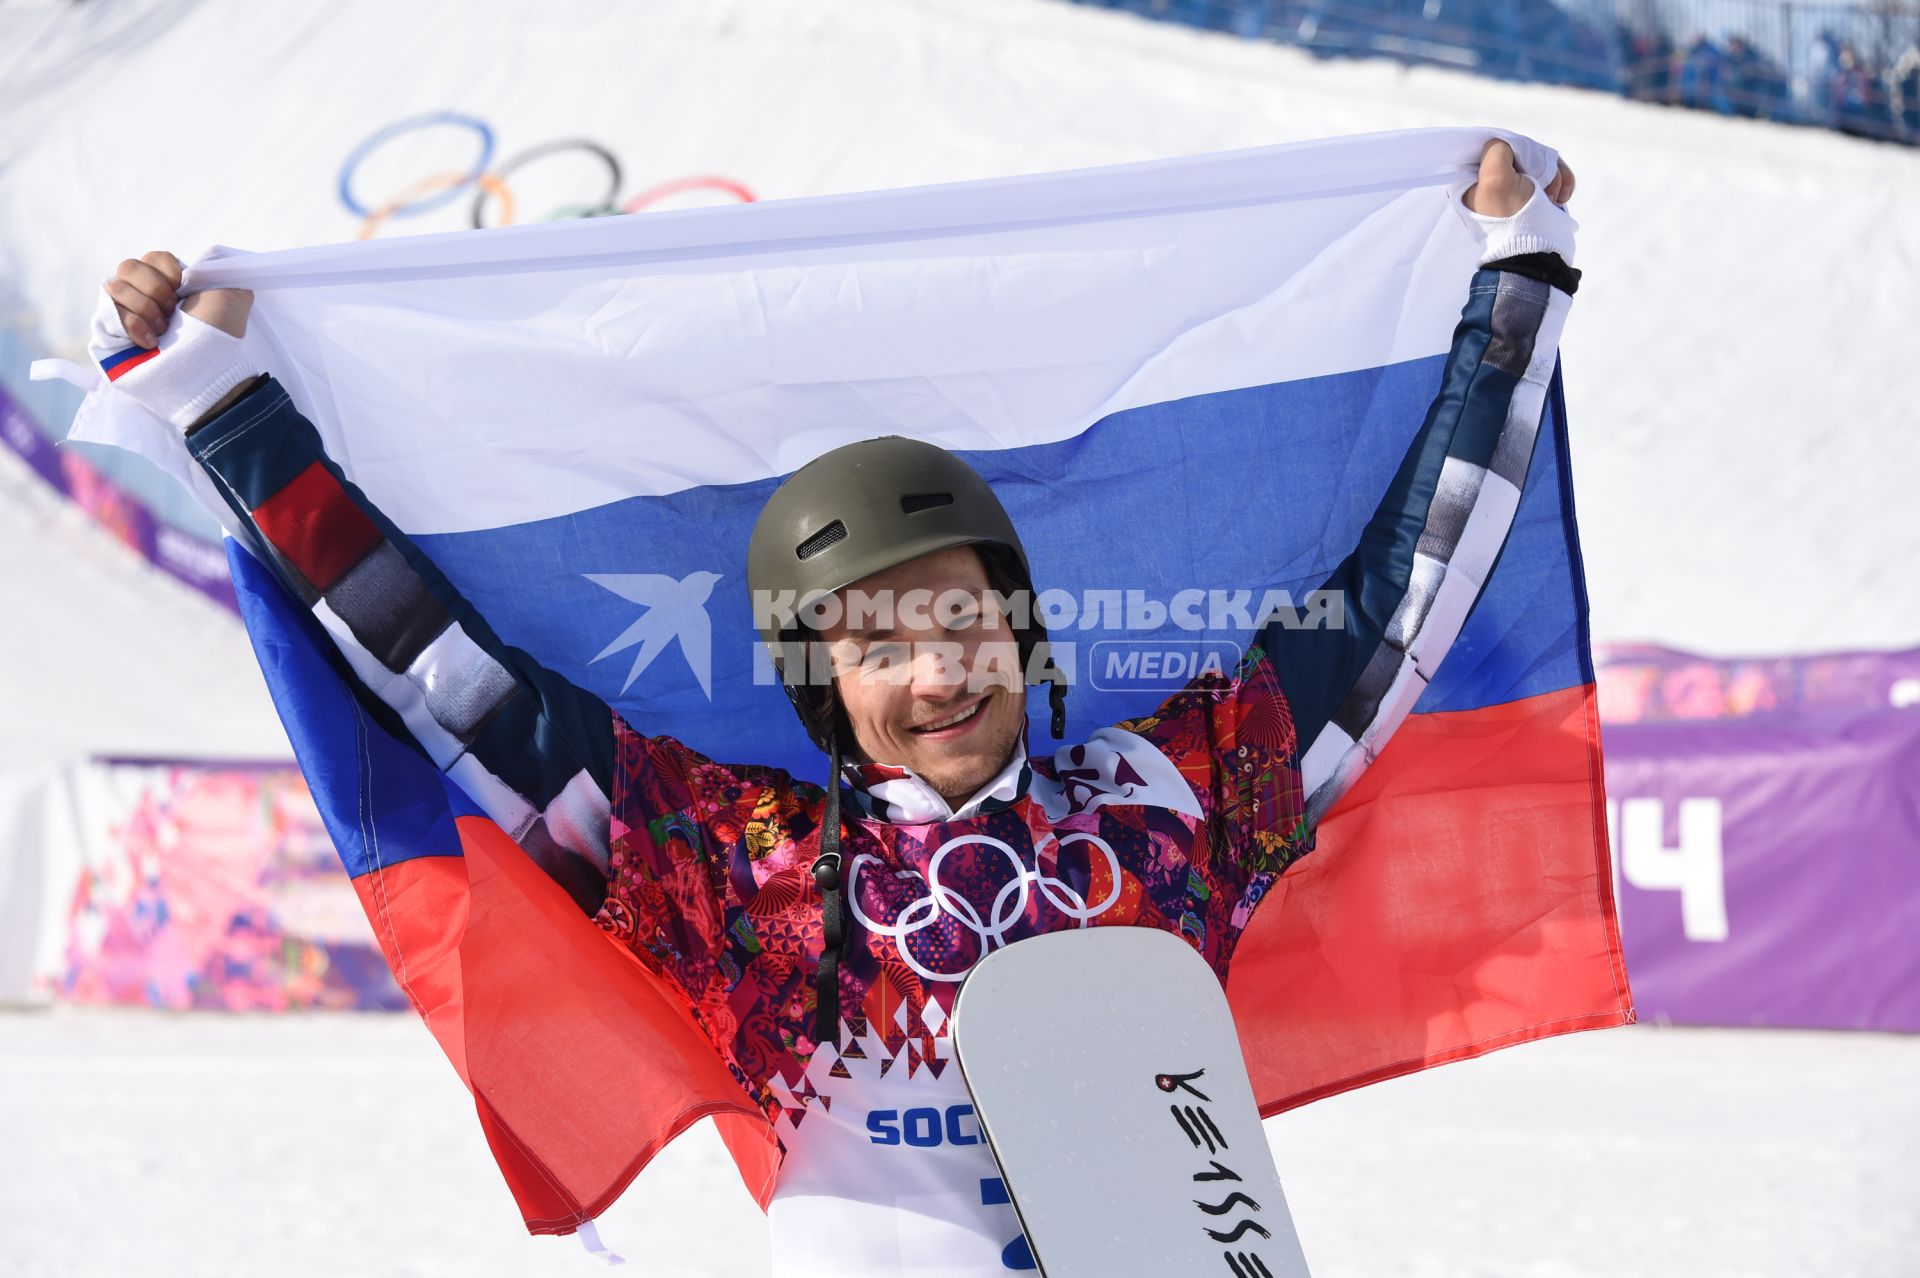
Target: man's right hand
<point>145,291</point>
<point>1501,190</point>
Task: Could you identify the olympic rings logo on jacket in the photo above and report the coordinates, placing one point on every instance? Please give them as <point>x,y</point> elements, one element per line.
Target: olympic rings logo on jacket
<point>490,183</point>
<point>1009,906</point>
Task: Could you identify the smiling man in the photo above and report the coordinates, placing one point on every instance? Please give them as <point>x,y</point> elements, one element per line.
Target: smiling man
<point>936,690</point>
<point>817,933</point>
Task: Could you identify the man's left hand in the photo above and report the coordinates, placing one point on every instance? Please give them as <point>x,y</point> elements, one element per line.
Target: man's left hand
<point>1502,190</point>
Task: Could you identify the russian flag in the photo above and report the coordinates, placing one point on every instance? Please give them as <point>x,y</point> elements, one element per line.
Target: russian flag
<point>1190,382</point>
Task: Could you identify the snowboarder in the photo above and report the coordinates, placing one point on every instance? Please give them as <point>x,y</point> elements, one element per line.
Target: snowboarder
<point>818,933</point>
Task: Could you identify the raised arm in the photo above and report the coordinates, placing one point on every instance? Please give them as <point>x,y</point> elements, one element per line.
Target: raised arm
<point>1429,546</point>
<point>531,749</point>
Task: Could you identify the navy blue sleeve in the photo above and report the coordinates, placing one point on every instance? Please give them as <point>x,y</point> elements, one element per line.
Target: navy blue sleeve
<point>531,749</point>
<point>1406,589</point>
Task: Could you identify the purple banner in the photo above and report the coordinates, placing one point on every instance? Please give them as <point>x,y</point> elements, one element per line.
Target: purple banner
<point>1766,826</point>
<point>200,564</point>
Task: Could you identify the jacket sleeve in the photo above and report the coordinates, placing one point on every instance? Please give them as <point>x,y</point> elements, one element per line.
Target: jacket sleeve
<point>532,750</point>
<point>1430,545</point>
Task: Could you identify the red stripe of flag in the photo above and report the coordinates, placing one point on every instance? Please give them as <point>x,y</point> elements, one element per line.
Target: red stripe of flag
<point>547,1019</point>
<point>1459,900</point>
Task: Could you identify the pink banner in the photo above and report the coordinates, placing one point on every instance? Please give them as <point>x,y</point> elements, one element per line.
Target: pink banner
<point>214,887</point>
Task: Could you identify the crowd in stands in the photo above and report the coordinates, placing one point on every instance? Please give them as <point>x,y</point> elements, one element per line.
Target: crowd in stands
<point>1841,87</point>
<point>1846,77</point>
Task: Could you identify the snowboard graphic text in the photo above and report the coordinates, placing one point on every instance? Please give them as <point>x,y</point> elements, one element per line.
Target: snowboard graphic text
<point>1204,1134</point>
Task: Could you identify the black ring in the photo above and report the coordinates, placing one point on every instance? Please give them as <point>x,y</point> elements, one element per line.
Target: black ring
<point>545,149</point>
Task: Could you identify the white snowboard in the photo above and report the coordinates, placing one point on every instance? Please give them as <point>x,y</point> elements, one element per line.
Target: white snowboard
<point>1106,1072</point>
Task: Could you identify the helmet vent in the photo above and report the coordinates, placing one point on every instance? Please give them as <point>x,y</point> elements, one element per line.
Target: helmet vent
<point>833,532</point>
<point>914,503</point>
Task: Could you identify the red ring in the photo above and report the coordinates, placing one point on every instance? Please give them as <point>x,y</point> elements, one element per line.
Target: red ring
<point>655,193</point>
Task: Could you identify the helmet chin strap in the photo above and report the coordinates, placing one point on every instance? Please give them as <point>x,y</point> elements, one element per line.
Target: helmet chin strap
<point>833,907</point>
<point>833,899</point>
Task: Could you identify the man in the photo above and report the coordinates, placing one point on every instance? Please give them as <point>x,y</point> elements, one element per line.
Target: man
<point>818,934</point>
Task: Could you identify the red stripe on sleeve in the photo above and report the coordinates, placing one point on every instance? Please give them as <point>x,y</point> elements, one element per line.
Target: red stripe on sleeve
<point>317,527</point>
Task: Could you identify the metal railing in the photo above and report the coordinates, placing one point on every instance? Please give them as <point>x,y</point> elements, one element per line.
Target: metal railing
<point>1855,68</point>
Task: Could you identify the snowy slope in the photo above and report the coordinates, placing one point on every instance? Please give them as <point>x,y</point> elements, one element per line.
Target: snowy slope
<point>180,1147</point>
<point>1739,364</point>
<point>107,656</point>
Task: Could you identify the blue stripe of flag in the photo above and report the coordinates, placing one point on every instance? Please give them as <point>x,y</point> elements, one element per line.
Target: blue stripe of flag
<point>381,799</point>
<point>1247,489</point>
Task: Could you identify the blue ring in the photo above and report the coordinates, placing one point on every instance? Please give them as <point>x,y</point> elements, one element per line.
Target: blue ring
<point>408,125</point>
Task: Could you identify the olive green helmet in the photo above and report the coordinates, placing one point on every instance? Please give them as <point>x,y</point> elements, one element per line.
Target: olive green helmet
<point>861,509</point>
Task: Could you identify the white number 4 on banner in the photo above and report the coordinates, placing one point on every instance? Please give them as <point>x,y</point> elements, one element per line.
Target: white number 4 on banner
<point>1695,867</point>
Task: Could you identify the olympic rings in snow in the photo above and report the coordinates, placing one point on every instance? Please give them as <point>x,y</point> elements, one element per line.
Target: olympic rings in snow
<point>942,901</point>
<point>450,182</point>
<point>540,152</point>
<point>661,192</point>
<point>399,208</point>
<point>492,194</point>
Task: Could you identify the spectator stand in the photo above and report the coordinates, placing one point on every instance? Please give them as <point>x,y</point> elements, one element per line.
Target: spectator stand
<point>1853,68</point>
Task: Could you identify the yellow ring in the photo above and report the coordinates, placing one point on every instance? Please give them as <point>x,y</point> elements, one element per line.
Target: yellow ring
<point>439,182</point>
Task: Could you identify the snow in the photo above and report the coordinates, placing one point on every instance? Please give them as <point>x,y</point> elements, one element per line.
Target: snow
<point>105,655</point>
<point>195,1145</point>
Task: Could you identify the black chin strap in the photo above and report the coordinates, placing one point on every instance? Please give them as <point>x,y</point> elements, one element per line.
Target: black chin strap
<point>833,908</point>
<point>833,898</point>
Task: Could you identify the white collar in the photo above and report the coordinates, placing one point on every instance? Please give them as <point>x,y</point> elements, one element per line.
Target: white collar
<point>898,794</point>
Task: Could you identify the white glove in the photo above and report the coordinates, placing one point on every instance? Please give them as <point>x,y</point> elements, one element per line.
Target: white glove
<point>1541,226</point>
<point>193,367</point>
